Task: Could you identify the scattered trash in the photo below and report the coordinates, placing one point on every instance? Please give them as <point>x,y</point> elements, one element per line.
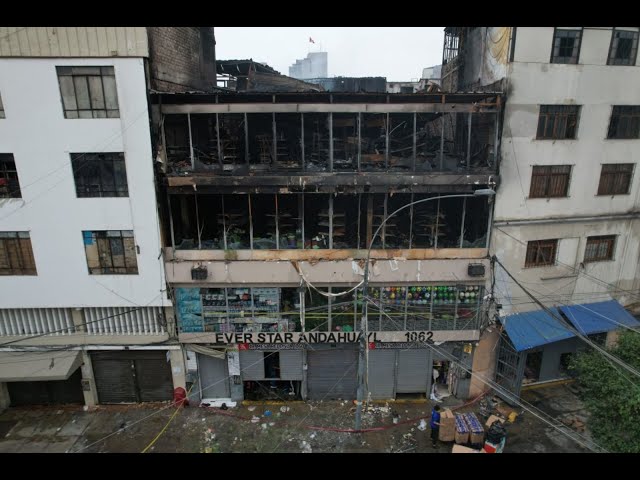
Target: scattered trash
<point>255,419</point>
<point>267,413</point>
<point>85,408</point>
<point>264,426</point>
<point>217,403</point>
<point>306,448</point>
<point>59,428</point>
<point>284,409</point>
<point>203,419</point>
<point>251,408</point>
<point>271,424</point>
<point>423,425</point>
<point>59,412</point>
<point>313,435</point>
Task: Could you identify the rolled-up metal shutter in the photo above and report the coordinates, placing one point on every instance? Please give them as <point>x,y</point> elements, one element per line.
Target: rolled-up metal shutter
<point>291,364</point>
<point>382,368</point>
<point>214,380</point>
<point>252,364</point>
<point>413,371</point>
<point>332,373</point>
<point>114,378</point>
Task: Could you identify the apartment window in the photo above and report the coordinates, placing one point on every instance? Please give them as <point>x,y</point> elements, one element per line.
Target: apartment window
<point>100,174</point>
<point>16,255</point>
<point>566,45</point>
<point>599,248</point>
<point>541,253</point>
<point>88,92</point>
<point>558,122</point>
<point>1,108</point>
<point>624,47</point>
<point>625,122</point>
<point>615,178</point>
<point>110,252</point>
<point>9,184</point>
<point>551,181</point>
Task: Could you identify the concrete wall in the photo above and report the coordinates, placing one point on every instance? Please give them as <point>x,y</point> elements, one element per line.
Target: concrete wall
<point>484,361</point>
<point>182,58</point>
<point>40,138</point>
<point>485,54</point>
<point>345,272</point>
<point>550,366</point>
<point>73,42</point>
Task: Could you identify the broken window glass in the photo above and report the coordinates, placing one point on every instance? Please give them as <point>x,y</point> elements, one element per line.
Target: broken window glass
<point>373,141</point>
<point>205,141</point>
<point>481,149</point>
<point>428,223</point>
<point>232,141</point>
<point>9,184</point>
<point>316,141</point>
<point>345,141</point>
<point>211,222</point>
<point>289,141</point>
<point>176,136</point>
<point>401,141</point>
<point>399,228</point>
<point>261,147</point>
<point>476,222</point>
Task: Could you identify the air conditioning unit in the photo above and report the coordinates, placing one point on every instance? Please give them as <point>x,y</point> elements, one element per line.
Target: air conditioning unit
<point>199,273</point>
<point>476,270</point>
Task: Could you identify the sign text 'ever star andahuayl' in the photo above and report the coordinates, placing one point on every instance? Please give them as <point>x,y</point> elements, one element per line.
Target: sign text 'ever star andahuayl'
<point>320,337</point>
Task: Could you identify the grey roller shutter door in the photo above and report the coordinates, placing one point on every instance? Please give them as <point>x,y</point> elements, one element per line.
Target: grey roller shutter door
<point>56,392</point>
<point>114,379</point>
<point>153,375</point>
<point>291,364</point>
<point>382,367</point>
<point>413,371</point>
<point>252,364</point>
<point>214,379</point>
<point>332,373</point>
<point>130,377</point>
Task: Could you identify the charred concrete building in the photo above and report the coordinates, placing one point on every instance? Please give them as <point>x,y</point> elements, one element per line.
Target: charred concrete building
<point>270,203</point>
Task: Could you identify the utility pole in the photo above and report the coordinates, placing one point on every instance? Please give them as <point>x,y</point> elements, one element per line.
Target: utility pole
<point>362,359</point>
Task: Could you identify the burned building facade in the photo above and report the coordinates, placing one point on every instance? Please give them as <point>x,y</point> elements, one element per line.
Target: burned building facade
<point>270,204</point>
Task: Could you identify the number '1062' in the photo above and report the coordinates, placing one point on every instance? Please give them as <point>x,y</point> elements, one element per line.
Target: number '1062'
<point>419,336</point>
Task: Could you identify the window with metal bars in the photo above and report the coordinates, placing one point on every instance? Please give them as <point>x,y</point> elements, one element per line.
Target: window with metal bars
<point>558,122</point>
<point>599,248</point>
<point>550,181</point>
<point>624,47</point>
<point>625,122</point>
<point>566,45</point>
<point>16,255</point>
<point>541,253</point>
<point>9,184</point>
<point>615,178</point>
<point>88,92</point>
<point>110,252</point>
<point>100,174</point>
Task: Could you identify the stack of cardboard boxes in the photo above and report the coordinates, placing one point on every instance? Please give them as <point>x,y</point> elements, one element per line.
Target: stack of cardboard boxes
<point>447,426</point>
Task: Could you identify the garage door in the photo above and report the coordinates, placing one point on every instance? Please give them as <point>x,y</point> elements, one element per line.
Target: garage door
<point>332,373</point>
<point>131,377</point>
<point>47,392</point>
<point>382,368</point>
<point>214,380</point>
<point>413,371</point>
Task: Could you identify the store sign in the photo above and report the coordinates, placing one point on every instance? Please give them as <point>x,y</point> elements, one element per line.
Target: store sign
<point>321,337</point>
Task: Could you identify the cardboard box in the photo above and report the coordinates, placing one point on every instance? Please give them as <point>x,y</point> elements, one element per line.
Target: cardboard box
<point>447,426</point>
<point>461,449</point>
<point>492,419</point>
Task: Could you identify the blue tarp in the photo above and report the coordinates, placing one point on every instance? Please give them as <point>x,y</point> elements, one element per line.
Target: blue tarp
<point>532,329</point>
<point>599,317</point>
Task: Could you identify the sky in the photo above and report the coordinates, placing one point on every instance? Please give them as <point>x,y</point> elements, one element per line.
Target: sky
<point>398,53</point>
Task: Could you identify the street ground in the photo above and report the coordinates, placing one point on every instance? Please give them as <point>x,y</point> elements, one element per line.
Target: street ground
<point>265,427</point>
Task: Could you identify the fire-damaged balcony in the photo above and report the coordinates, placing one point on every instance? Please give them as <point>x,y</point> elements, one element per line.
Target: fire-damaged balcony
<point>296,139</point>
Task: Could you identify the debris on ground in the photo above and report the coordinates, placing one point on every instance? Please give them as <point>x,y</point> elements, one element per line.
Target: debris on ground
<point>251,408</point>
<point>284,409</point>
<point>306,447</point>
<point>255,419</point>
<point>423,425</point>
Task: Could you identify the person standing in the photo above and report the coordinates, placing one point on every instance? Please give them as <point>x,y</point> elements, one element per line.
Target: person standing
<point>435,425</point>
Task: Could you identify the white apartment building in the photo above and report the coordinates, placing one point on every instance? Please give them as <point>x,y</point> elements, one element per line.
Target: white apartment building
<point>566,221</point>
<point>84,312</point>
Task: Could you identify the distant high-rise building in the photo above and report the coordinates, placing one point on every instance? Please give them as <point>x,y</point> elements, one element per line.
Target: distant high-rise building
<point>313,66</point>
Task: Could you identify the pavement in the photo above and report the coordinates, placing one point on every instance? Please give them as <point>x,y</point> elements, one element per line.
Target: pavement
<point>296,427</point>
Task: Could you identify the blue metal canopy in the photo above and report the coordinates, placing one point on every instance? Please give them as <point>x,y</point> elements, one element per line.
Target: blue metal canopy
<point>532,329</point>
<point>599,317</point>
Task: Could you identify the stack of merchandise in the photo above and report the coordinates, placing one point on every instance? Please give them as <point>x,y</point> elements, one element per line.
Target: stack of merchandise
<point>475,428</point>
<point>462,429</point>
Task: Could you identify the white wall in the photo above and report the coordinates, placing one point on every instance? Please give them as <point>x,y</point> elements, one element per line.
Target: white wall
<point>533,81</point>
<point>40,138</point>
